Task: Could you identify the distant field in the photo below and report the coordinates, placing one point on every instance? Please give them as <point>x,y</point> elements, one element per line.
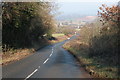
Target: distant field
<point>77,29</point>
<point>57,35</point>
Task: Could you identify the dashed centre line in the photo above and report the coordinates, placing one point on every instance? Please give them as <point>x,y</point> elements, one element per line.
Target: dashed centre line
<point>39,66</point>
<point>46,60</point>
<point>31,74</point>
<point>50,55</point>
<point>52,52</point>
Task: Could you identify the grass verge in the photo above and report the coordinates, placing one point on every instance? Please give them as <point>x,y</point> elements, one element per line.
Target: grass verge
<point>59,38</point>
<point>16,54</point>
<point>98,70</point>
<point>57,34</point>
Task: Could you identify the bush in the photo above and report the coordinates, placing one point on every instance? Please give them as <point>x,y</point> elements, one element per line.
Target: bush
<point>24,22</point>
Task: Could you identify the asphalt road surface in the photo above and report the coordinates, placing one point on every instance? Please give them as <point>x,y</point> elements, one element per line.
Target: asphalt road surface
<point>49,62</point>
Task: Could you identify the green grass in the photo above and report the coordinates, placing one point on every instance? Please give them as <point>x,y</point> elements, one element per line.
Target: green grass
<point>77,29</point>
<point>57,35</point>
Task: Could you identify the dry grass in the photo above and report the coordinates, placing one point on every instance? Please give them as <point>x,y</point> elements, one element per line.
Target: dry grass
<point>92,65</point>
<point>57,34</point>
<point>17,54</point>
<point>59,38</point>
<point>14,55</point>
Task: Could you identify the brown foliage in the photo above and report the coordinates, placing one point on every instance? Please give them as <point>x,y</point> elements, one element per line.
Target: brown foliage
<point>109,14</point>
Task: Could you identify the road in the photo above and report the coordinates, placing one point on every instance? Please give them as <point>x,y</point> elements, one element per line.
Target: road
<point>49,62</point>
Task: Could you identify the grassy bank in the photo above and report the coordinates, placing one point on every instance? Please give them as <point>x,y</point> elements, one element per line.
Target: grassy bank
<point>15,55</point>
<point>97,46</point>
<point>11,55</point>
<point>92,65</point>
<point>59,37</point>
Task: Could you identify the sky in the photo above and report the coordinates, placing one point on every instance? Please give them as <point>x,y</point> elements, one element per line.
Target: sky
<point>80,8</point>
<point>75,8</point>
<point>60,0</point>
<point>83,0</point>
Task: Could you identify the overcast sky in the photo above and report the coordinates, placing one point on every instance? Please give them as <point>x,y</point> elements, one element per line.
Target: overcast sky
<point>83,8</point>
<point>84,0</point>
<point>73,7</point>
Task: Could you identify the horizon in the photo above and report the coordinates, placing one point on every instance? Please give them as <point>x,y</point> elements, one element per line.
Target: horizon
<point>73,10</point>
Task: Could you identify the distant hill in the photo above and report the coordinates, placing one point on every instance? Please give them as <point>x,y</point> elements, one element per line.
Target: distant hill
<point>69,17</point>
<point>76,18</point>
<point>87,18</point>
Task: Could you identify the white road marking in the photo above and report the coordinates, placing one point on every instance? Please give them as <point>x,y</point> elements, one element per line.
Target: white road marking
<point>50,55</point>
<point>46,60</point>
<point>31,74</point>
<point>38,66</point>
<point>51,52</point>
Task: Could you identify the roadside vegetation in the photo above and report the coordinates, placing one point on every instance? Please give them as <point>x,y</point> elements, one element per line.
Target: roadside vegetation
<point>26,27</point>
<point>26,22</point>
<point>66,30</point>
<point>97,47</point>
